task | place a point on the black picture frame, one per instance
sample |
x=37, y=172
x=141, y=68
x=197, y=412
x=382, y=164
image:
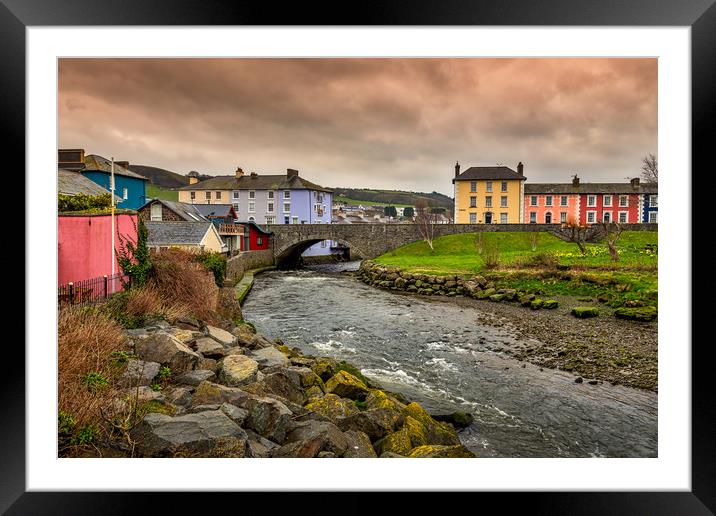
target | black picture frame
x=700, y=15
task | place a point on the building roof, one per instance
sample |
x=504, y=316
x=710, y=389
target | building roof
x=216, y=210
x=94, y=162
x=176, y=233
x=74, y=183
x=256, y=227
x=489, y=173
x=257, y=182
x=590, y=188
x=184, y=210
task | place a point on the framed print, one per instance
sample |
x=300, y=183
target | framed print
x=362, y=118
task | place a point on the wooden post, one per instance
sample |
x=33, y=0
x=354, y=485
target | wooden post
x=72, y=292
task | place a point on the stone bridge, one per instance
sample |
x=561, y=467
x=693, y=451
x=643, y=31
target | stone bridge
x=371, y=240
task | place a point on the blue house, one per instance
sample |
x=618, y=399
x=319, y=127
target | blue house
x=128, y=186
x=650, y=205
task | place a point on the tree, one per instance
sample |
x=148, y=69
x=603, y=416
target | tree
x=612, y=232
x=576, y=233
x=390, y=211
x=650, y=169
x=426, y=221
x=408, y=211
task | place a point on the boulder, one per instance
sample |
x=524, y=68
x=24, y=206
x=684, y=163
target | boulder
x=526, y=299
x=646, y=313
x=346, y=385
x=436, y=432
x=333, y=438
x=236, y=370
x=167, y=350
x=498, y=297
x=195, y=377
x=268, y=417
x=269, y=357
x=187, y=322
x=300, y=449
x=441, y=451
x=139, y=372
x=258, y=341
x=397, y=442
x=376, y=423
x=391, y=455
x=301, y=361
x=180, y=396
x=359, y=445
x=144, y=393
x=208, y=364
x=236, y=414
x=209, y=347
x=278, y=384
x=416, y=432
x=332, y=407
x=536, y=304
x=314, y=392
x=259, y=447
x=457, y=419
x=584, y=312
x=203, y=434
x=550, y=304
x=325, y=368
x=484, y=294
x=221, y=336
x=201, y=408
x=379, y=399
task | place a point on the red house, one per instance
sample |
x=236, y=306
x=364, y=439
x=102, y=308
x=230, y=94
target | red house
x=255, y=238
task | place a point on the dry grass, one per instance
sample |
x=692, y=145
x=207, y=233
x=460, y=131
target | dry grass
x=182, y=282
x=87, y=339
x=150, y=301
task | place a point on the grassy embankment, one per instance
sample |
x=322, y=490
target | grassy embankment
x=340, y=198
x=156, y=192
x=554, y=267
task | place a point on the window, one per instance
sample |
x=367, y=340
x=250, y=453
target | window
x=591, y=200
x=503, y=201
x=548, y=200
x=473, y=202
x=503, y=218
x=287, y=194
x=489, y=186
x=607, y=200
x=323, y=243
x=270, y=194
x=208, y=195
x=236, y=207
x=488, y=201
x=252, y=194
x=294, y=220
x=653, y=201
x=623, y=200
x=533, y=217
x=623, y=217
x=125, y=193
x=252, y=207
x=473, y=186
x=473, y=218
x=156, y=211
x=270, y=220
x=287, y=207
x=285, y=220
x=563, y=200
x=653, y=217
x=259, y=240
x=563, y=216
x=218, y=195
x=533, y=200
x=252, y=219
x=192, y=195
x=607, y=216
x=504, y=186
x=591, y=217
x=269, y=207
x=236, y=195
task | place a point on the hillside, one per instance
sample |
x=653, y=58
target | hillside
x=392, y=197
x=160, y=177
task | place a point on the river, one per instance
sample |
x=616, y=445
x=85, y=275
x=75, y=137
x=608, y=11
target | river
x=435, y=352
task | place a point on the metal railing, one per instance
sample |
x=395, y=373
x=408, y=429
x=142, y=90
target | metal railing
x=90, y=290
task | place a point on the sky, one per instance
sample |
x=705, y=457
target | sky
x=366, y=123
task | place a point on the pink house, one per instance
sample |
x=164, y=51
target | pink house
x=547, y=205
x=84, y=249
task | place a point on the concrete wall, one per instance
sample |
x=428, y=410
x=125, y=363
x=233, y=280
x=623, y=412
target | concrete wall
x=236, y=266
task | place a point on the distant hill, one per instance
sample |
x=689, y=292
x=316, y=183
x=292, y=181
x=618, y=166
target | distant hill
x=160, y=177
x=394, y=197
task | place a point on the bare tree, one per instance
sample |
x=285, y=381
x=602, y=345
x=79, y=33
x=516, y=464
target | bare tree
x=426, y=221
x=650, y=169
x=576, y=233
x=612, y=232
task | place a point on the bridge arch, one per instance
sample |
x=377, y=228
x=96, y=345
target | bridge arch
x=289, y=255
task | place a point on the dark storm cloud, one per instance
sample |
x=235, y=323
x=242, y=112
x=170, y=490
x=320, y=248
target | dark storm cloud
x=392, y=123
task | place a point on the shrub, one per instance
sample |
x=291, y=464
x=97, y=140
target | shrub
x=82, y=202
x=135, y=307
x=134, y=258
x=583, y=312
x=216, y=263
x=547, y=260
x=490, y=254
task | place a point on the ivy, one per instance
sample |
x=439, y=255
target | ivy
x=82, y=202
x=216, y=263
x=134, y=258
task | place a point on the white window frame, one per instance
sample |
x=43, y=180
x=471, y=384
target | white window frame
x=125, y=193
x=503, y=201
x=473, y=218
x=656, y=217
x=488, y=186
x=503, y=216
x=593, y=213
x=218, y=195
x=270, y=219
x=503, y=186
x=236, y=194
x=626, y=217
x=252, y=207
x=605, y=215
x=473, y=201
x=593, y=199
x=606, y=198
x=236, y=207
x=252, y=194
x=533, y=217
x=626, y=201
x=473, y=186
x=488, y=201
x=287, y=194
x=534, y=200
x=152, y=215
x=270, y=207
x=207, y=195
x=294, y=219
x=192, y=195
x=562, y=217
x=563, y=200
x=548, y=200
x=654, y=201
x=551, y=221
x=285, y=205
x=270, y=194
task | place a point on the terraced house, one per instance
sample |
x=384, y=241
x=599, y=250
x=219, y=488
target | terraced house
x=489, y=195
x=264, y=199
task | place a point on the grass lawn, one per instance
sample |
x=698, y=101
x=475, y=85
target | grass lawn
x=156, y=192
x=340, y=198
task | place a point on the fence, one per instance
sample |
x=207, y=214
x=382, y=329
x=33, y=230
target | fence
x=91, y=290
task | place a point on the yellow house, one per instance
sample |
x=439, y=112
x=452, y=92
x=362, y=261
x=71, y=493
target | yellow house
x=489, y=195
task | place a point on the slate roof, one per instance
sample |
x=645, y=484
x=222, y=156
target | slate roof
x=74, y=183
x=256, y=227
x=258, y=182
x=214, y=210
x=590, y=188
x=187, y=211
x=176, y=233
x=489, y=173
x=94, y=162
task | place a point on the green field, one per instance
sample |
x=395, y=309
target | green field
x=156, y=192
x=340, y=198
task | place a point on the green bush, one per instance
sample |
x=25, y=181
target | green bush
x=216, y=263
x=547, y=260
x=94, y=381
x=490, y=254
x=134, y=258
x=583, y=312
x=81, y=202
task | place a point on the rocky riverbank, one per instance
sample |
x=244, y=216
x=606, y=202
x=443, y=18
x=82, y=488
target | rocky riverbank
x=599, y=349
x=204, y=391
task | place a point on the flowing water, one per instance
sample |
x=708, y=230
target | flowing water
x=435, y=352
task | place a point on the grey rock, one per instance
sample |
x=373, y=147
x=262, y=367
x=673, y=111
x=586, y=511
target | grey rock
x=258, y=341
x=209, y=347
x=202, y=408
x=139, y=372
x=359, y=445
x=333, y=438
x=167, y=350
x=195, y=377
x=236, y=370
x=268, y=357
x=180, y=396
x=376, y=423
x=237, y=415
x=222, y=336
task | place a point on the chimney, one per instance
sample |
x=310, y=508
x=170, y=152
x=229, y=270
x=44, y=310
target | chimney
x=291, y=173
x=124, y=164
x=254, y=175
x=457, y=169
x=239, y=173
x=635, y=182
x=193, y=180
x=520, y=169
x=575, y=180
x=71, y=159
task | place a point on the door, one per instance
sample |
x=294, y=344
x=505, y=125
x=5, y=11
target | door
x=488, y=217
x=548, y=218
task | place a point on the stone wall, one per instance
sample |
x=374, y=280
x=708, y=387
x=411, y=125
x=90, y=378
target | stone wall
x=236, y=265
